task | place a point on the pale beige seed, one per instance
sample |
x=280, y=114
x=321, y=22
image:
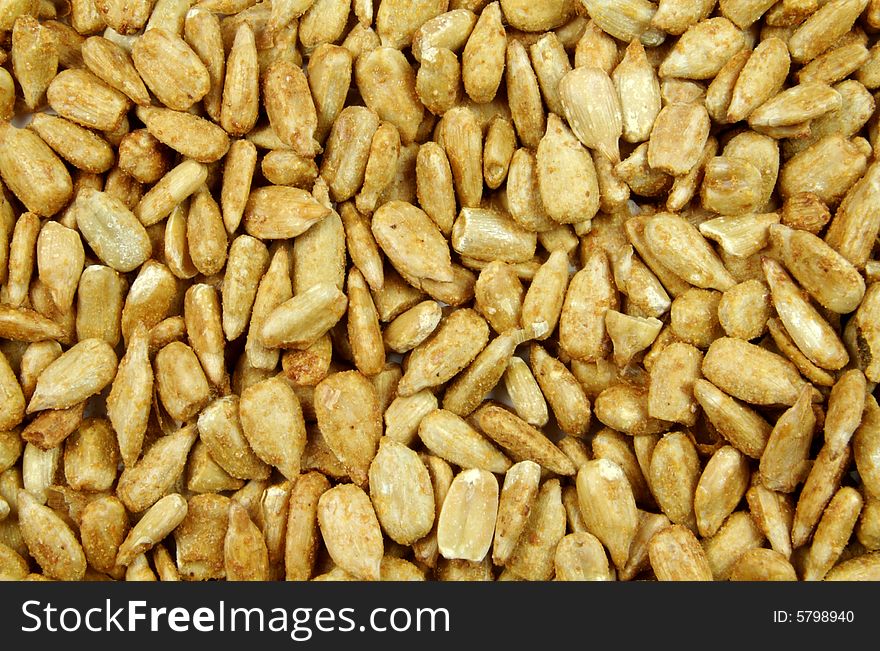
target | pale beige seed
x=347, y=410
x=112, y=63
x=838, y=164
x=544, y=299
x=823, y=28
x=32, y=171
x=608, y=507
x=674, y=16
x=364, y=333
x=171, y=69
x=103, y=527
x=80, y=372
x=202, y=317
x=237, y=175
x=22, y=258
x=220, y=428
x=388, y=85
x=344, y=163
x=737, y=535
x=111, y=230
x=412, y=327
x=244, y=550
x=789, y=349
x=461, y=137
x=846, y=403
x=563, y=392
x=150, y=299
x=34, y=361
x=744, y=310
x=241, y=88
x=147, y=480
x=180, y=381
x=761, y=78
x=204, y=475
x=624, y=408
x=521, y=439
x=281, y=212
x=286, y=167
x=819, y=269
x=301, y=540
x=324, y=22
x=303, y=319
x=721, y=487
x=595, y=114
x=82, y=148
x=563, y=162
x=124, y=18
x=272, y=423
x=812, y=334
x=639, y=91
x=630, y=335
x=405, y=414
x=795, y=105
x=784, y=460
x=626, y=20
x=451, y=438
x=591, y=293
x=687, y=254
x=59, y=258
x=171, y=190
x=750, y=373
x=412, y=241
x=467, y=518
x=676, y=555
x=34, y=55
x=246, y=263
x=434, y=185
x=679, y=134
x=380, y=166
x=274, y=289
x=82, y=97
x=518, y=496
x=401, y=492
x=649, y=524
x=130, y=399
x=741, y=426
x=673, y=373
x=454, y=344
x=38, y=470
x=272, y=517
x=483, y=55
x=674, y=474
x=773, y=513
x=703, y=49
x=488, y=235
x=351, y=531
x=581, y=557
x=720, y=90
x=822, y=481
x=290, y=107
x=50, y=540
x=525, y=393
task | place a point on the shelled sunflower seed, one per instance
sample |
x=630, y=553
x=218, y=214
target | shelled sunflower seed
x=453, y=290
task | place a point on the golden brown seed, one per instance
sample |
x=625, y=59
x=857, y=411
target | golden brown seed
x=103, y=527
x=82, y=97
x=244, y=550
x=822, y=481
x=199, y=538
x=80, y=372
x=220, y=428
x=32, y=171
x=521, y=439
x=388, y=85
x=833, y=532
x=533, y=557
x=272, y=423
x=301, y=541
x=608, y=507
x=784, y=460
